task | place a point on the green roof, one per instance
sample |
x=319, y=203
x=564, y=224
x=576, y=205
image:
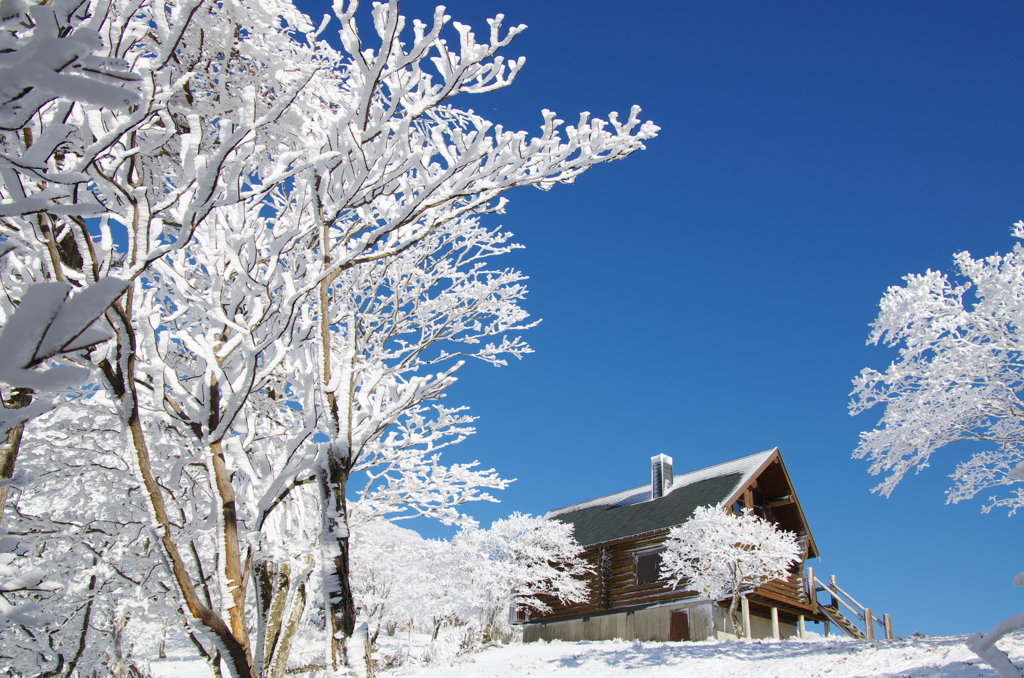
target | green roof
x=596, y=524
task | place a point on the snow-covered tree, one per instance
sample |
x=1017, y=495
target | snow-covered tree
x=400, y=331
x=84, y=522
x=717, y=554
x=471, y=581
x=520, y=562
x=958, y=376
x=984, y=644
x=237, y=189
x=437, y=164
x=53, y=58
x=392, y=576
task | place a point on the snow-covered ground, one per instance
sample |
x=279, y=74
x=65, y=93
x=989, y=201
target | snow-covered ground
x=912, y=657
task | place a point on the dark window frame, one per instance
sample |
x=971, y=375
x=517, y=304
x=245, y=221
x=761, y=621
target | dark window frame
x=647, y=566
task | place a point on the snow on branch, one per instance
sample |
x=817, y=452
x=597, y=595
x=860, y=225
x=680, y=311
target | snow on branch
x=958, y=376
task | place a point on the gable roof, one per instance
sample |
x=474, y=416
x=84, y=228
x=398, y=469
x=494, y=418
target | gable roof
x=632, y=512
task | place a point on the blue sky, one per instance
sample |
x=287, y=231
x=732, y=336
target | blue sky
x=709, y=297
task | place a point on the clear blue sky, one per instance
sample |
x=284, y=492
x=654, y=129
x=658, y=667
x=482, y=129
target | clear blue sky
x=709, y=297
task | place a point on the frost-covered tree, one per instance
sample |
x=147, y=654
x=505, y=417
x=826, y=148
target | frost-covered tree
x=237, y=189
x=718, y=554
x=53, y=58
x=958, y=376
x=392, y=572
x=51, y=52
x=400, y=331
x=437, y=164
x=471, y=581
x=84, y=521
x=519, y=562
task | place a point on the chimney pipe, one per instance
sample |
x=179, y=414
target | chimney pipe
x=661, y=475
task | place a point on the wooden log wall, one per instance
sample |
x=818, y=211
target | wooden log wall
x=613, y=583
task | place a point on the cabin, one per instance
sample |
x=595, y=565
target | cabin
x=624, y=533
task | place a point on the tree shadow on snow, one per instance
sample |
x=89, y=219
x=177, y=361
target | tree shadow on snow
x=653, y=654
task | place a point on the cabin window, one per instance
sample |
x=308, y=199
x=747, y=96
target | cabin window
x=737, y=507
x=647, y=567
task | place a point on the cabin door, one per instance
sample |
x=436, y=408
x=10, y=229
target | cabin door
x=680, y=625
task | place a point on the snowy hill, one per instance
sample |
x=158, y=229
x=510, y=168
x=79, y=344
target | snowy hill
x=912, y=657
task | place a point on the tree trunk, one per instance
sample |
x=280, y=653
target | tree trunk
x=233, y=574
x=279, y=661
x=19, y=397
x=240, y=660
x=121, y=380
x=334, y=544
x=281, y=599
x=734, y=615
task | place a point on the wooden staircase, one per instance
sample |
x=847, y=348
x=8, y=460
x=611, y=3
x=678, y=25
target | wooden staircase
x=836, y=617
x=862, y=623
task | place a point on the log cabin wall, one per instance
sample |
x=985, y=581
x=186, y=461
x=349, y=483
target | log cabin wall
x=613, y=585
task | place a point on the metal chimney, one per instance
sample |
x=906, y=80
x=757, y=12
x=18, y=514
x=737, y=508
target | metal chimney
x=661, y=475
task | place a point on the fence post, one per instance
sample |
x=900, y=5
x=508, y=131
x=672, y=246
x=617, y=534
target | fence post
x=869, y=623
x=812, y=589
x=887, y=620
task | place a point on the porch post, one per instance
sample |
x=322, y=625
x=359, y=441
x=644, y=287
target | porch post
x=802, y=628
x=775, y=623
x=746, y=618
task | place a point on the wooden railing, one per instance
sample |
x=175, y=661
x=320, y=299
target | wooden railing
x=861, y=620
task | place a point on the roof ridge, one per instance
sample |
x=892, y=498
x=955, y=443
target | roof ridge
x=579, y=505
x=730, y=461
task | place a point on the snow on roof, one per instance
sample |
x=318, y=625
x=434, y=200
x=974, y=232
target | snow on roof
x=744, y=466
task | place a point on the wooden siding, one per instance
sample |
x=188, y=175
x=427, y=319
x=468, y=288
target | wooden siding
x=645, y=625
x=789, y=591
x=704, y=621
x=613, y=585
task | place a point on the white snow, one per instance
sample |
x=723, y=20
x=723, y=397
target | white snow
x=916, y=657
x=911, y=657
